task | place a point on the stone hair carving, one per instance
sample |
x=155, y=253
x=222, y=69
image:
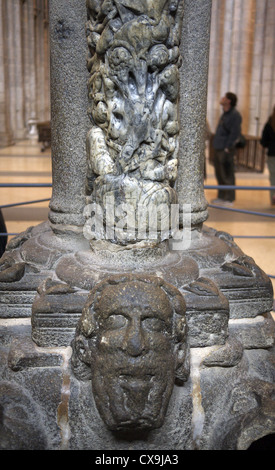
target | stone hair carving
x=133, y=62
x=131, y=342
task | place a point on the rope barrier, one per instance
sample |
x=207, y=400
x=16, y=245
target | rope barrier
x=23, y=203
x=5, y=234
x=49, y=185
x=253, y=236
x=258, y=188
x=241, y=210
x=25, y=185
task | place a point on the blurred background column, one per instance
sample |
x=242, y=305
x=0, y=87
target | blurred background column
x=6, y=134
x=24, y=67
x=242, y=60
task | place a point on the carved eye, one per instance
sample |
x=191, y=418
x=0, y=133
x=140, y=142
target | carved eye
x=115, y=322
x=118, y=116
x=154, y=324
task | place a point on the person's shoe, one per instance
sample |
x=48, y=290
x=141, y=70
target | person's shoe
x=217, y=201
x=222, y=202
x=228, y=203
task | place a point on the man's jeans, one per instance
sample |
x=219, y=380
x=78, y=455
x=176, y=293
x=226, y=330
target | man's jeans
x=225, y=173
x=271, y=167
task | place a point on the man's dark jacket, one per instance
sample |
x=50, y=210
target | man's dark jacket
x=268, y=139
x=228, y=130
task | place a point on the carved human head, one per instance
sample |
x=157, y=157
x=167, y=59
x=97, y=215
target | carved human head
x=131, y=342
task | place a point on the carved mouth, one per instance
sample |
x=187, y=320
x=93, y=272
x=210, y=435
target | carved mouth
x=136, y=381
x=138, y=369
x=136, y=374
x=141, y=424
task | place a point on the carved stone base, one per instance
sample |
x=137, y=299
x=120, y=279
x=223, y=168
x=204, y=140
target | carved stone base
x=226, y=402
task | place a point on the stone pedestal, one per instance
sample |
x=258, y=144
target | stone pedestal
x=192, y=319
x=226, y=403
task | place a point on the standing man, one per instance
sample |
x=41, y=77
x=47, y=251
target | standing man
x=268, y=141
x=3, y=238
x=227, y=134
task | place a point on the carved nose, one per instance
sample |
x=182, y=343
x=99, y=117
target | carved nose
x=134, y=341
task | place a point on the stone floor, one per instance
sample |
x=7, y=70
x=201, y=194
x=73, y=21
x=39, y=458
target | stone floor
x=25, y=163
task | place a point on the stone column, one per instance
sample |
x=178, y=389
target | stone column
x=6, y=136
x=268, y=76
x=216, y=72
x=69, y=118
x=241, y=63
x=257, y=70
x=29, y=63
x=42, y=60
x=193, y=83
x=15, y=88
x=46, y=40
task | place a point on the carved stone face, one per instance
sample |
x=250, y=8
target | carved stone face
x=132, y=354
x=133, y=373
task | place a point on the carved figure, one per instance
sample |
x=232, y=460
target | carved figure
x=133, y=87
x=131, y=342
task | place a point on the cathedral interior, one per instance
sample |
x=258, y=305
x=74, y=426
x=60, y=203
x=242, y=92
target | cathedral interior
x=241, y=60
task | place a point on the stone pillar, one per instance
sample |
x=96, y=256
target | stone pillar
x=193, y=94
x=41, y=27
x=241, y=40
x=242, y=60
x=268, y=76
x=216, y=72
x=69, y=106
x=14, y=88
x=257, y=70
x=29, y=62
x=24, y=87
x=6, y=137
x=224, y=41
x=46, y=40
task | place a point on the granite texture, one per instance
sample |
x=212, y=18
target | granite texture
x=69, y=118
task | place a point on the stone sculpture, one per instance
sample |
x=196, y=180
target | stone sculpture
x=132, y=146
x=140, y=342
x=134, y=350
